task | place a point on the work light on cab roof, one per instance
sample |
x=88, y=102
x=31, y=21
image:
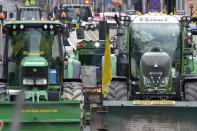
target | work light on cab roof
x=63, y=15
x=191, y=4
x=120, y=3
x=78, y=12
x=87, y=2
x=2, y=16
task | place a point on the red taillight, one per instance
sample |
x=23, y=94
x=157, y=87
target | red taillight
x=96, y=15
x=81, y=44
x=1, y=124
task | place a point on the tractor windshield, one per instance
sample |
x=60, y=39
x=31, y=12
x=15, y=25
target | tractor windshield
x=92, y=53
x=144, y=36
x=29, y=14
x=31, y=42
x=72, y=13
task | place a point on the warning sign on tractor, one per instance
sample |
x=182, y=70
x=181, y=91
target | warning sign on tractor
x=154, y=102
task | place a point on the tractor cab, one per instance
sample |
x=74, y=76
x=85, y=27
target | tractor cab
x=164, y=32
x=27, y=13
x=158, y=71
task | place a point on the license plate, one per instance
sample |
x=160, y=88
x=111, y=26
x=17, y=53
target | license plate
x=154, y=102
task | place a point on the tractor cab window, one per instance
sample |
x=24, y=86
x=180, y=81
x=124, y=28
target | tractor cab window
x=29, y=14
x=92, y=53
x=72, y=13
x=144, y=36
x=31, y=42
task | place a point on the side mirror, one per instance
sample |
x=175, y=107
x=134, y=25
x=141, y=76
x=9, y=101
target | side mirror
x=1, y=59
x=103, y=29
x=80, y=33
x=66, y=32
x=11, y=15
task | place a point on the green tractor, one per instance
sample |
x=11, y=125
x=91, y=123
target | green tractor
x=161, y=87
x=160, y=75
x=40, y=88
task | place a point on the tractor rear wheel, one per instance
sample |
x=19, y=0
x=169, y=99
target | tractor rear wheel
x=191, y=91
x=117, y=91
x=72, y=91
x=3, y=93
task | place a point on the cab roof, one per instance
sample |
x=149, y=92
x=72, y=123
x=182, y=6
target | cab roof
x=155, y=18
x=76, y=5
x=33, y=22
x=29, y=8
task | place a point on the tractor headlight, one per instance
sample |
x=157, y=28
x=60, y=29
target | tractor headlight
x=184, y=18
x=164, y=82
x=188, y=18
x=147, y=82
x=127, y=18
x=41, y=81
x=91, y=26
x=122, y=18
x=97, y=44
x=28, y=81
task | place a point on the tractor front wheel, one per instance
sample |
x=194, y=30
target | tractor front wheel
x=72, y=91
x=117, y=91
x=191, y=91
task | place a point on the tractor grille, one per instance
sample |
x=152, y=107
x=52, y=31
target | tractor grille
x=155, y=67
x=35, y=72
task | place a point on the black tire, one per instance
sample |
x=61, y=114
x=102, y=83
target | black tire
x=3, y=92
x=191, y=91
x=117, y=91
x=72, y=91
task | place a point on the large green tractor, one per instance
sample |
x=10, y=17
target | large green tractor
x=161, y=88
x=158, y=74
x=40, y=89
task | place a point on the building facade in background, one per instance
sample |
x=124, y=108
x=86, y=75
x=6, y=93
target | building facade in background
x=143, y=6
